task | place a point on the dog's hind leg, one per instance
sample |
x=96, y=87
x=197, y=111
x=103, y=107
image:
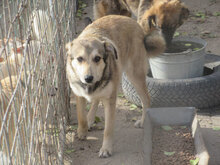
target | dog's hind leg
x=81, y=116
x=92, y=112
x=107, y=144
x=138, y=79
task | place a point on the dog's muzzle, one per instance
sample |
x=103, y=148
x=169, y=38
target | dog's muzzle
x=88, y=78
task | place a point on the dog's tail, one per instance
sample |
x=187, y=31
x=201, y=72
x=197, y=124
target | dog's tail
x=154, y=44
x=42, y=26
x=154, y=41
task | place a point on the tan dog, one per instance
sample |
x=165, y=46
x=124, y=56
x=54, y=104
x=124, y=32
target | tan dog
x=11, y=66
x=11, y=58
x=7, y=86
x=95, y=62
x=170, y=14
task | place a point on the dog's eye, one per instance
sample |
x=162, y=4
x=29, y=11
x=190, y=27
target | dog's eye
x=80, y=59
x=97, y=59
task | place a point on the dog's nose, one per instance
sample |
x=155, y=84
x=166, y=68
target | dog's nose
x=88, y=78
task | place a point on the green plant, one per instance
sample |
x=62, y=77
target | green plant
x=81, y=7
x=194, y=162
x=216, y=128
x=166, y=128
x=200, y=14
x=121, y=95
x=133, y=107
x=217, y=13
x=169, y=153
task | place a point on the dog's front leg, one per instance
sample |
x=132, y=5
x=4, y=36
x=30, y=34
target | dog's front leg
x=92, y=112
x=81, y=116
x=109, y=105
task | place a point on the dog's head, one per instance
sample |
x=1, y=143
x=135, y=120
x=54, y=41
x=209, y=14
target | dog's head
x=170, y=15
x=154, y=40
x=88, y=59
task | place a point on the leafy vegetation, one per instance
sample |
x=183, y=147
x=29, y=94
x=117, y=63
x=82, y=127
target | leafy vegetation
x=166, y=128
x=81, y=7
x=169, y=153
x=194, y=162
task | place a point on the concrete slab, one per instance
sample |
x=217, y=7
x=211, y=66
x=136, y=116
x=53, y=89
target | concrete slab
x=174, y=116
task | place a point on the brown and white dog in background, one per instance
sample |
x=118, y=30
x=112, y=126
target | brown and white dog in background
x=95, y=62
x=170, y=14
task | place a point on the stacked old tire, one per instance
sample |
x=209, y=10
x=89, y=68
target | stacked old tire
x=200, y=92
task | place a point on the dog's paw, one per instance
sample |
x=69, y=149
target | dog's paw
x=82, y=134
x=105, y=153
x=139, y=124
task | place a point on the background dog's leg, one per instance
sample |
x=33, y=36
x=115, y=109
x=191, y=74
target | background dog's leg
x=109, y=105
x=139, y=82
x=92, y=112
x=81, y=116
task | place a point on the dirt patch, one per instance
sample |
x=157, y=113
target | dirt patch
x=172, y=145
x=204, y=22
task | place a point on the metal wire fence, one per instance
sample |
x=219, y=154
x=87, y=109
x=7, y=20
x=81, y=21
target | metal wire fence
x=34, y=101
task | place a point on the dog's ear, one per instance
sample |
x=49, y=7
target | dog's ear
x=152, y=21
x=183, y=15
x=68, y=46
x=109, y=48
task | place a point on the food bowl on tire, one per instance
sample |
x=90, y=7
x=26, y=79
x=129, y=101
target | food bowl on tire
x=185, y=59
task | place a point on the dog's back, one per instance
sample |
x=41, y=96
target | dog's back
x=109, y=25
x=129, y=34
x=113, y=23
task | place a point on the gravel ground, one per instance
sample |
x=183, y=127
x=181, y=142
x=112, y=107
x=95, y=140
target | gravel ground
x=172, y=145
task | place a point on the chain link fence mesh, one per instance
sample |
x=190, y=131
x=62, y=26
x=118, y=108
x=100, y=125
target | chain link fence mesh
x=34, y=101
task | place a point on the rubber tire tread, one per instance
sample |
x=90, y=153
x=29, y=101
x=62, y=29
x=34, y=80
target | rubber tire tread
x=200, y=92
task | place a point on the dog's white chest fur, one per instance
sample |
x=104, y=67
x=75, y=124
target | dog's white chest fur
x=99, y=93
